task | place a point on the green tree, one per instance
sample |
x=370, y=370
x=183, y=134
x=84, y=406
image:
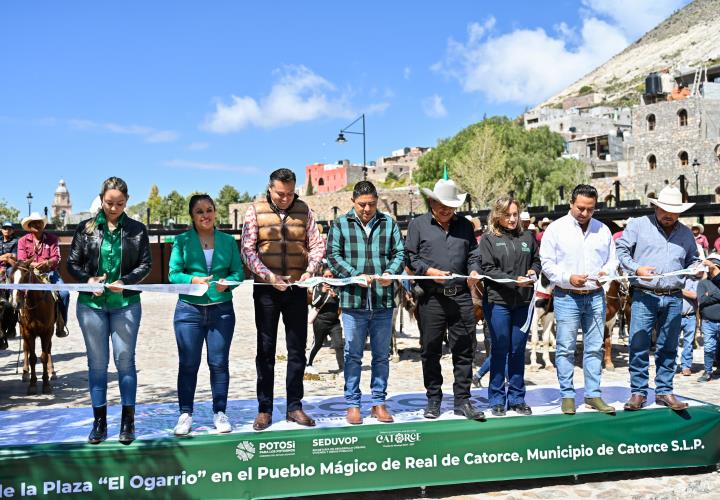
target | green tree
x=155, y=204
x=309, y=191
x=225, y=197
x=175, y=207
x=391, y=176
x=245, y=198
x=533, y=168
x=7, y=212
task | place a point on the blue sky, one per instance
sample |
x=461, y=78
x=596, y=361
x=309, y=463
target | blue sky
x=194, y=95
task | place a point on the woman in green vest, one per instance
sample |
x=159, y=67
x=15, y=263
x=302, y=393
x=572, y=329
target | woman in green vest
x=204, y=255
x=114, y=249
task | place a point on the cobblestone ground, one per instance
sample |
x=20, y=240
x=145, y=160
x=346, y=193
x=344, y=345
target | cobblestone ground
x=157, y=366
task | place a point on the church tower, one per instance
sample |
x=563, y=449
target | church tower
x=61, y=207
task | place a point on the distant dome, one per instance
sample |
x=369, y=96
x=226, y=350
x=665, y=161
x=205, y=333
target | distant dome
x=61, y=187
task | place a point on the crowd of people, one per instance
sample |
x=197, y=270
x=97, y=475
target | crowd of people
x=282, y=244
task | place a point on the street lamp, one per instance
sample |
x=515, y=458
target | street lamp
x=412, y=197
x=29, y=198
x=696, y=170
x=342, y=140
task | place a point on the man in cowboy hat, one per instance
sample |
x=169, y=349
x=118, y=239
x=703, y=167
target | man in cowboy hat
x=702, y=241
x=651, y=245
x=8, y=249
x=526, y=220
x=438, y=244
x=42, y=250
x=542, y=225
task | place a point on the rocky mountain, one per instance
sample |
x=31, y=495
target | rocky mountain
x=684, y=41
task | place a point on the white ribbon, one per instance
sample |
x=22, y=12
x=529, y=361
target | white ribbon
x=185, y=289
x=620, y=277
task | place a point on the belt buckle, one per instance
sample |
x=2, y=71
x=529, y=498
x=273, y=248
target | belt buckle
x=450, y=292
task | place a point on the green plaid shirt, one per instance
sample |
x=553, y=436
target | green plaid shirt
x=351, y=252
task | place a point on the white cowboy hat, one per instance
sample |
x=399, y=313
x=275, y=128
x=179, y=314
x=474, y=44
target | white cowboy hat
x=699, y=226
x=532, y=227
x=524, y=216
x=32, y=218
x=447, y=193
x=670, y=200
x=544, y=222
x=621, y=223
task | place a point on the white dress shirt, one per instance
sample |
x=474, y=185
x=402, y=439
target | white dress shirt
x=565, y=250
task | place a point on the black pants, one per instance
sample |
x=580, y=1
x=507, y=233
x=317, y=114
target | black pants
x=269, y=305
x=327, y=324
x=454, y=315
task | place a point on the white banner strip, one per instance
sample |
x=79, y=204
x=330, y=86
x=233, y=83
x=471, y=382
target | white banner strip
x=189, y=289
x=619, y=277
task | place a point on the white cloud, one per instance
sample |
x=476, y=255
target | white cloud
x=407, y=72
x=298, y=95
x=197, y=146
x=149, y=134
x=198, y=165
x=526, y=66
x=433, y=106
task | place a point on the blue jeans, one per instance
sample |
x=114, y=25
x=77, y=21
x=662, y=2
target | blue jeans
x=507, y=359
x=100, y=327
x=574, y=311
x=711, y=336
x=357, y=325
x=687, y=328
x=64, y=295
x=195, y=326
x=662, y=313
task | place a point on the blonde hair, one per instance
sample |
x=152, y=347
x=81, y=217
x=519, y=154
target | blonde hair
x=107, y=185
x=500, y=208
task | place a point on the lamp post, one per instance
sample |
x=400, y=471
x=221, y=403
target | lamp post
x=342, y=140
x=696, y=171
x=235, y=214
x=412, y=197
x=29, y=198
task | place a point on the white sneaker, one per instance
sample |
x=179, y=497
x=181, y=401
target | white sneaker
x=184, y=424
x=311, y=370
x=222, y=422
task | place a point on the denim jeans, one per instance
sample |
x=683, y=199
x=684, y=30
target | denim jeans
x=687, y=329
x=357, y=325
x=194, y=326
x=63, y=295
x=572, y=312
x=508, y=354
x=662, y=313
x=100, y=327
x=711, y=336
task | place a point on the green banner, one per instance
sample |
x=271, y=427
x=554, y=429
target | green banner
x=363, y=458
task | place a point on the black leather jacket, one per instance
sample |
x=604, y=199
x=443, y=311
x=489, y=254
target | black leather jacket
x=84, y=258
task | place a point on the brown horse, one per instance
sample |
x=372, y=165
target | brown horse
x=36, y=316
x=618, y=302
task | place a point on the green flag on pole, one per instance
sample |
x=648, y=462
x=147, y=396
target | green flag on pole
x=445, y=172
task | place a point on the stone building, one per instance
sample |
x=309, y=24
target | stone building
x=61, y=205
x=401, y=163
x=668, y=137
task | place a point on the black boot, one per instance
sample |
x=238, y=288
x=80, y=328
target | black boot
x=98, y=434
x=127, y=425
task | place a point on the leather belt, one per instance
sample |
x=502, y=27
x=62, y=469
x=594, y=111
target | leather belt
x=659, y=291
x=579, y=292
x=449, y=291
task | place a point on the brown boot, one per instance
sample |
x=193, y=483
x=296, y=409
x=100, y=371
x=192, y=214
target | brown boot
x=262, y=421
x=381, y=413
x=353, y=416
x=300, y=418
x=671, y=402
x=635, y=402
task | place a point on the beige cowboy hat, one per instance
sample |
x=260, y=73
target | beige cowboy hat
x=525, y=216
x=544, y=222
x=670, y=200
x=447, y=193
x=532, y=227
x=699, y=226
x=32, y=218
x=621, y=223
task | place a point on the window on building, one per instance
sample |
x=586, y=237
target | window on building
x=651, y=122
x=682, y=117
x=561, y=127
x=652, y=162
x=321, y=181
x=683, y=157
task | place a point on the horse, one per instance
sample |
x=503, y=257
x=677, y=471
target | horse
x=36, y=314
x=8, y=319
x=618, y=304
x=543, y=320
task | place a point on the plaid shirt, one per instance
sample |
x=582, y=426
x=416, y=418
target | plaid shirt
x=352, y=252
